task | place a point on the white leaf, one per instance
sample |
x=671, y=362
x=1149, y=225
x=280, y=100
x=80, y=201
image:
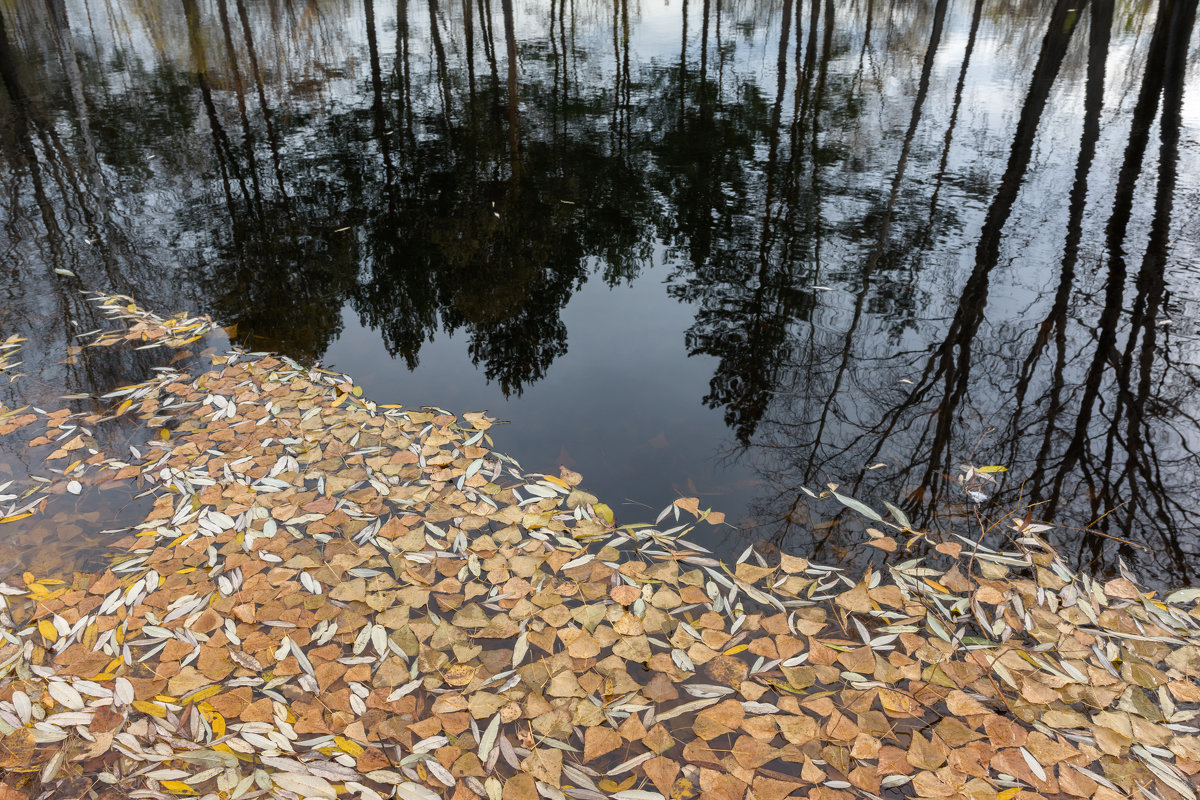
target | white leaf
x=1034, y=766
x=441, y=773
x=694, y=705
x=488, y=740
x=123, y=691
x=855, y=505
x=304, y=785
x=432, y=743
x=520, y=647
x=415, y=791
x=24, y=706
x=1183, y=596
x=404, y=690
x=65, y=695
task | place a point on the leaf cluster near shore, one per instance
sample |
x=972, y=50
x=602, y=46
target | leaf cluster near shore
x=334, y=598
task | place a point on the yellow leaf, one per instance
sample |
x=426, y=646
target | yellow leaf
x=17, y=517
x=609, y=785
x=993, y=468
x=47, y=629
x=205, y=693
x=604, y=512
x=1007, y=794
x=153, y=709
x=683, y=789
x=121, y=409
x=164, y=434
x=733, y=651
x=349, y=746
x=177, y=787
x=215, y=720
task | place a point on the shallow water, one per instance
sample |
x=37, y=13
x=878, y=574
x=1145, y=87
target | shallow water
x=725, y=249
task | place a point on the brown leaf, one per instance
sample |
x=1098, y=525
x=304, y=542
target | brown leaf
x=545, y=764
x=961, y=704
x=955, y=733
x=689, y=504
x=770, y=789
x=599, y=740
x=751, y=753
x=188, y=680
x=521, y=786
x=855, y=599
x=951, y=549
x=658, y=739
x=797, y=729
x=1122, y=589
x=1004, y=732
x=726, y=670
x=17, y=750
x=662, y=772
x=625, y=594
x=811, y=773
x=926, y=754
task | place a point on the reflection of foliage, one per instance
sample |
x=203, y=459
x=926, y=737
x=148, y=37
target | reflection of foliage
x=498, y=253
x=705, y=159
x=283, y=281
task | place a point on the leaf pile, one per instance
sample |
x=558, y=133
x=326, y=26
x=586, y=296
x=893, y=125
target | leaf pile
x=334, y=598
x=9, y=349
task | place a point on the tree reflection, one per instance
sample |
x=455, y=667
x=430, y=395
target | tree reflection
x=1098, y=457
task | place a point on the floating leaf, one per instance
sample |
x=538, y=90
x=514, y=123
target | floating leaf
x=855, y=505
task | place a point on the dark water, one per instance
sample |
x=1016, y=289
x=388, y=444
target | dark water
x=717, y=247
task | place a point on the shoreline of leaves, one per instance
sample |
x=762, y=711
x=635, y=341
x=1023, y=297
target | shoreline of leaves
x=335, y=598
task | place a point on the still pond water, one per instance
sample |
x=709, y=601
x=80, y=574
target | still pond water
x=722, y=248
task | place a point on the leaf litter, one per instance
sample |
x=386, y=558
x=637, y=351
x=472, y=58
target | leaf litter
x=334, y=598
